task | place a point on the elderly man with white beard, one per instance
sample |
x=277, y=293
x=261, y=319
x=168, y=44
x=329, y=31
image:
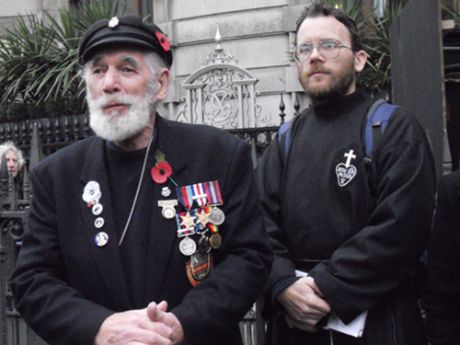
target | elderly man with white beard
x=149, y=231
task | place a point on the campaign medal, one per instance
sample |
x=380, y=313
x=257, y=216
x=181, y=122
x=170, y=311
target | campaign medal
x=215, y=241
x=214, y=197
x=217, y=216
x=168, y=210
x=198, y=267
x=346, y=172
x=202, y=218
x=187, y=246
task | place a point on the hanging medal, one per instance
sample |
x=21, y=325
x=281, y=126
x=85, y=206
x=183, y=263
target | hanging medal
x=214, y=196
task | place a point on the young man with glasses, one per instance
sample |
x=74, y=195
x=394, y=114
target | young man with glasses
x=346, y=239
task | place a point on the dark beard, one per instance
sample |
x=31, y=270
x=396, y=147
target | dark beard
x=336, y=90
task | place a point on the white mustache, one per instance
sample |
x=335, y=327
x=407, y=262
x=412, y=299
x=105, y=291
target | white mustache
x=106, y=100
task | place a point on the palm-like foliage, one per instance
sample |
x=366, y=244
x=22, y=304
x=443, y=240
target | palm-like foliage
x=39, y=72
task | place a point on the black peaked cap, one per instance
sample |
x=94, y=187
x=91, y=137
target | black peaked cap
x=129, y=31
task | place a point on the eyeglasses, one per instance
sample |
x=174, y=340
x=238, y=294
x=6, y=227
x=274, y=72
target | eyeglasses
x=328, y=48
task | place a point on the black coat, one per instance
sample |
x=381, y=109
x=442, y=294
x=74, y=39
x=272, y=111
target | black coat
x=360, y=241
x=442, y=300
x=65, y=286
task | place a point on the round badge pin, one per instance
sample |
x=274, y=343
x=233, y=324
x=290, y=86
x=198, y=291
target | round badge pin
x=217, y=216
x=97, y=209
x=168, y=212
x=215, y=241
x=187, y=246
x=99, y=222
x=165, y=191
x=101, y=239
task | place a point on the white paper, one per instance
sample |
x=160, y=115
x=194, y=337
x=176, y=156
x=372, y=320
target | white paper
x=355, y=328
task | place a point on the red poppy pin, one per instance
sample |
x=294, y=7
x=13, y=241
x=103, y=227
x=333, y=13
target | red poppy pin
x=164, y=42
x=162, y=169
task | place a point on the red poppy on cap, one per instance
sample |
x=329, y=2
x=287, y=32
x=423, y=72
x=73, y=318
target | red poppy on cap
x=164, y=42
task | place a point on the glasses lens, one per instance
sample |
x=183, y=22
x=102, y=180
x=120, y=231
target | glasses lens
x=303, y=52
x=329, y=49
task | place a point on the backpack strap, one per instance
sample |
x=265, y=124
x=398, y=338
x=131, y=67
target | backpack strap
x=284, y=138
x=376, y=122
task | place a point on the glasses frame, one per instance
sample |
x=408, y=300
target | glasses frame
x=320, y=51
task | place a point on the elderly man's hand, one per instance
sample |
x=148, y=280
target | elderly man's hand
x=134, y=327
x=304, y=304
x=157, y=313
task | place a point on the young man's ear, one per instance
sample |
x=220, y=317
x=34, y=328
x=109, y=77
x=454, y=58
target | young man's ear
x=360, y=60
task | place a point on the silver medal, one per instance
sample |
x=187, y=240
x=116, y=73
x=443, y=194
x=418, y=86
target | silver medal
x=167, y=208
x=168, y=212
x=217, y=216
x=187, y=246
x=101, y=239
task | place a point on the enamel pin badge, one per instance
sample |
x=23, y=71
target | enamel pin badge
x=346, y=172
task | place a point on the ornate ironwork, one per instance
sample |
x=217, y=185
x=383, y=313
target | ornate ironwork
x=222, y=94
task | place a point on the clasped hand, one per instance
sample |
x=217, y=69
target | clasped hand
x=149, y=326
x=304, y=304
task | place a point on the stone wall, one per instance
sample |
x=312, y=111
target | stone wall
x=258, y=33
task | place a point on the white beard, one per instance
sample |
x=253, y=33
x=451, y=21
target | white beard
x=115, y=126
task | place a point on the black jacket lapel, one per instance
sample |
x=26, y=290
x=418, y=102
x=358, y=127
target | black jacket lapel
x=163, y=236
x=107, y=257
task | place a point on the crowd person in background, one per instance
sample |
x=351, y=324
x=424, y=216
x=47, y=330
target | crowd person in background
x=13, y=158
x=347, y=228
x=442, y=300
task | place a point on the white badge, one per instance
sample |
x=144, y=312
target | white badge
x=346, y=172
x=92, y=193
x=101, y=239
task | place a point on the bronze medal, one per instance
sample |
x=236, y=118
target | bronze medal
x=215, y=241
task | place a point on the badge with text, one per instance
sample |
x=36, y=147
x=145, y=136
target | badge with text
x=198, y=267
x=346, y=172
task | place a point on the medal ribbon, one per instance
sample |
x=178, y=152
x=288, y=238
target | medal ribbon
x=213, y=192
x=199, y=194
x=213, y=227
x=185, y=194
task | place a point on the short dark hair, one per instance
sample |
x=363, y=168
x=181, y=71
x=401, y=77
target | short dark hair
x=321, y=10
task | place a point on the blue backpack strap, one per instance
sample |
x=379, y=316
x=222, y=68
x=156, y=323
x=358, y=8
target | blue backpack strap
x=284, y=138
x=377, y=120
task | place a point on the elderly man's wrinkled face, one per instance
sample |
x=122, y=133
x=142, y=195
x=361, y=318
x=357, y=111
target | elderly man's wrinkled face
x=12, y=163
x=121, y=94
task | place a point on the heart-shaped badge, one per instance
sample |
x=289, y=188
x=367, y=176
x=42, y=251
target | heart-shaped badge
x=345, y=174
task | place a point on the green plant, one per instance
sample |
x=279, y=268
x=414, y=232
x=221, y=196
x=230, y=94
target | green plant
x=39, y=72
